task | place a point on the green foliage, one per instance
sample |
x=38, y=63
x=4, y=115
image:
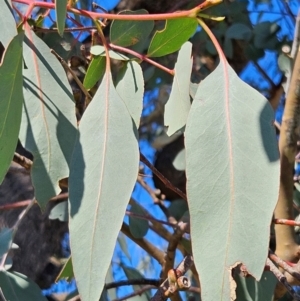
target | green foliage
x=235, y=169
x=128, y=33
x=11, y=102
x=230, y=157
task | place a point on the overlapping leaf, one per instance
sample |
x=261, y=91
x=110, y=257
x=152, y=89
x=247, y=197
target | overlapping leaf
x=11, y=102
x=95, y=71
x=18, y=287
x=61, y=12
x=48, y=126
x=232, y=179
x=171, y=38
x=126, y=33
x=179, y=104
x=7, y=24
x=103, y=173
x=138, y=227
x=130, y=87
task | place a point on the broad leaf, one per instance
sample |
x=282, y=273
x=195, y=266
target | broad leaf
x=48, y=126
x=61, y=12
x=138, y=227
x=130, y=87
x=95, y=71
x=232, y=165
x=18, y=287
x=103, y=173
x=11, y=102
x=179, y=104
x=7, y=23
x=171, y=38
x=127, y=33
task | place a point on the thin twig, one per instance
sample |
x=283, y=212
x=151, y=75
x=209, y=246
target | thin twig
x=136, y=293
x=284, y=265
x=282, y=279
x=144, y=244
x=167, y=183
x=287, y=222
x=23, y=161
x=142, y=281
x=154, y=193
x=68, y=69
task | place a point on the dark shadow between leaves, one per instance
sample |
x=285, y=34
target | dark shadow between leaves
x=268, y=134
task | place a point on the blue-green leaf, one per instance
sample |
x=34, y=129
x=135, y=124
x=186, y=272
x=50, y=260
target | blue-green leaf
x=61, y=13
x=103, y=173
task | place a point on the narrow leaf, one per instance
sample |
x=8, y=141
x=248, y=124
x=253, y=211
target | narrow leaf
x=179, y=104
x=95, y=72
x=100, y=50
x=6, y=235
x=171, y=38
x=232, y=164
x=103, y=173
x=18, y=287
x=48, y=126
x=11, y=102
x=7, y=24
x=127, y=33
x=60, y=212
x=123, y=245
x=130, y=87
x=61, y=13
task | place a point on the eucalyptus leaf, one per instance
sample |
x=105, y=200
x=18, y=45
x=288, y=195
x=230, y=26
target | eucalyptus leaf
x=232, y=164
x=100, y=50
x=66, y=272
x=61, y=13
x=172, y=37
x=138, y=227
x=239, y=31
x=48, y=128
x=6, y=236
x=104, y=169
x=130, y=87
x=95, y=72
x=11, y=102
x=7, y=24
x=123, y=245
x=18, y=287
x=60, y=212
x=127, y=33
x=179, y=104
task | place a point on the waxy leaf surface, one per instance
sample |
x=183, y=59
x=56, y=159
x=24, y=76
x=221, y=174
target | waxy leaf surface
x=130, y=87
x=7, y=24
x=127, y=33
x=11, y=102
x=232, y=179
x=95, y=71
x=48, y=127
x=179, y=104
x=103, y=173
x=171, y=38
x=18, y=287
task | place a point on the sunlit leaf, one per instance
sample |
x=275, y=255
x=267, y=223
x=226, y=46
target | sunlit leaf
x=18, y=287
x=130, y=86
x=11, y=102
x=138, y=227
x=232, y=167
x=95, y=71
x=179, y=162
x=112, y=292
x=60, y=212
x=248, y=289
x=103, y=173
x=61, y=13
x=100, y=50
x=66, y=271
x=7, y=23
x=179, y=104
x=171, y=38
x=126, y=33
x=48, y=127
